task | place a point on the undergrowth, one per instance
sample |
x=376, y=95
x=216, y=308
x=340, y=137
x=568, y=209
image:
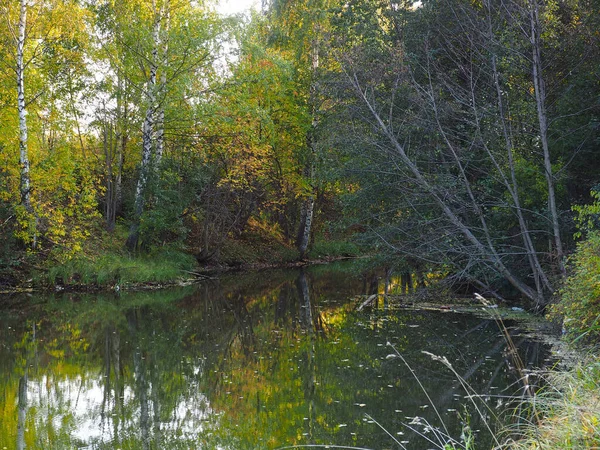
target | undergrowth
x=333, y=248
x=160, y=265
x=570, y=407
x=105, y=262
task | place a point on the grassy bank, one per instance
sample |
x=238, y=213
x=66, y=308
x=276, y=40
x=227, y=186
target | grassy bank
x=569, y=407
x=104, y=263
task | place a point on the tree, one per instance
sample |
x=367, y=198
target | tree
x=437, y=102
x=163, y=56
x=299, y=29
x=43, y=51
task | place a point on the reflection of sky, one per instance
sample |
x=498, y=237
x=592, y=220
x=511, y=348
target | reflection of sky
x=77, y=406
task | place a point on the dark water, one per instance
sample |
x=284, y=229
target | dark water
x=259, y=361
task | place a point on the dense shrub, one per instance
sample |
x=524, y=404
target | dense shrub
x=580, y=297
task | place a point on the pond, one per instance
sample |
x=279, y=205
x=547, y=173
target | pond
x=268, y=360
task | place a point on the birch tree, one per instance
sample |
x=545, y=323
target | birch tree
x=25, y=184
x=44, y=47
x=158, y=55
x=300, y=30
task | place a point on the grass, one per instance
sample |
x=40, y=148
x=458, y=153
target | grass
x=332, y=249
x=160, y=265
x=104, y=262
x=570, y=410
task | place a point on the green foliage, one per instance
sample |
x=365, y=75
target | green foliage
x=587, y=216
x=569, y=407
x=105, y=263
x=164, y=222
x=333, y=248
x=579, y=304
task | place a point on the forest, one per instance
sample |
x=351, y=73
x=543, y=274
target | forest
x=148, y=143
x=452, y=136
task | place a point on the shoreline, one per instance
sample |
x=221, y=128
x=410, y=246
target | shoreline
x=196, y=276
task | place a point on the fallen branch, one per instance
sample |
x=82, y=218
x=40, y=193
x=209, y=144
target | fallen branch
x=367, y=301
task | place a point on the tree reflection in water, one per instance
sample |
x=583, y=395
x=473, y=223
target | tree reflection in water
x=248, y=362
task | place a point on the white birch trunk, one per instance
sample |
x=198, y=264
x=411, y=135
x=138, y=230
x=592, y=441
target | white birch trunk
x=307, y=214
x=308, y=205
x=162, y=88
x=25, y=182
x=147, y=140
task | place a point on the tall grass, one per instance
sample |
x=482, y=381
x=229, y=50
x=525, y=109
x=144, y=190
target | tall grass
x=333, y=249
x=569, y=406
x=109, y=269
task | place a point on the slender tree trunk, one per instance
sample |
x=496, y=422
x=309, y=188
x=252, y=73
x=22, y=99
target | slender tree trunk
x=308, y=206
x=160, y=121
x=305, y=226
x=24, y=157
x=148, y=135
x=388, y=280
x=122, y=138
x=109, y=182
x=538, y=272
x=539, y=275
x=114, y=161
x=25, y=180
x=540, y=99
x=488, y=256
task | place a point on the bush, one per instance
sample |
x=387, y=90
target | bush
x=580, y=296
x=333, y=248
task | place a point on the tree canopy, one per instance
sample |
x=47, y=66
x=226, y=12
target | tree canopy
x=445, y=134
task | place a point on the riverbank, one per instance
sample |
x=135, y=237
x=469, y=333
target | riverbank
x=105, y=264
x=568, y=407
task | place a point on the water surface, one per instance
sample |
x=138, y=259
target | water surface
x=256, y=361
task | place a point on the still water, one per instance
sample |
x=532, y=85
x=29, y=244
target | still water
x=256, y=361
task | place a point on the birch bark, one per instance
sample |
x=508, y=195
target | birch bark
x=148, y=135
x=308, y=206
x=160, y=121
x=25, y=181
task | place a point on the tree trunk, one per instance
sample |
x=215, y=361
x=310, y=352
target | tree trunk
x=147, y=141
x=305, y=226
x=25, y=180
x=539, y=275
x=122, y=138
x=308, y=205
x=540, y=99
x=160, y=121
x=107, y=145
